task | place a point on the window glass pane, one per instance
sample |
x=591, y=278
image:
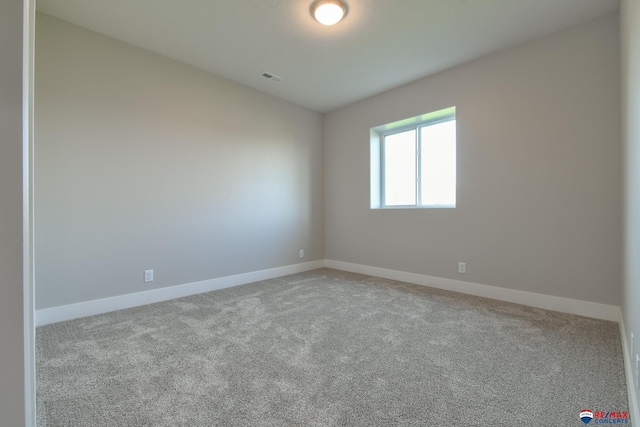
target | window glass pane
x=438, y=164
x=400, y=168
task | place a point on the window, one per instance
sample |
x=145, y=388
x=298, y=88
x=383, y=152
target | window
x=413, y=162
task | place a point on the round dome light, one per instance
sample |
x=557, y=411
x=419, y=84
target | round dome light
x=328, y=12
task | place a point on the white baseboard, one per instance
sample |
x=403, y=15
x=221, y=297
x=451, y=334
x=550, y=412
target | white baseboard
x=629, y=367
x=548, y=302
x=90, y=308
x=105, y=305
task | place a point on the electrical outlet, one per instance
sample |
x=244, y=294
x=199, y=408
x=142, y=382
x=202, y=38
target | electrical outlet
x=301, y=253
x=462, y=267
x=148, y=276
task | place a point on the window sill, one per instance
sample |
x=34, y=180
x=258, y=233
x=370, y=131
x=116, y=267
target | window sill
x=387, y=208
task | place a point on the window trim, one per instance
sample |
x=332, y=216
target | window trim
x=378, y=135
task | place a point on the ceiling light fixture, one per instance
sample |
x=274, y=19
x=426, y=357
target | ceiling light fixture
x=328, y=12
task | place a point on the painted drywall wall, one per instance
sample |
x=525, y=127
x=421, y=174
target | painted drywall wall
x=12, y=407
x=538, y=205
x=630, y=55
x=145, y=163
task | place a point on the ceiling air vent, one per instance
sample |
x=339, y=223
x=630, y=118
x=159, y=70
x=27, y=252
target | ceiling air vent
x=272, y=77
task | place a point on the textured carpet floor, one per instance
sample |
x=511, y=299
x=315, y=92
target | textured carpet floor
x=328, y=348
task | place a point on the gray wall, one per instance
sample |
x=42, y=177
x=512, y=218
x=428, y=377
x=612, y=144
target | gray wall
x=11, y=286
x=630, y=53
x=145, y=163
x=539, y=196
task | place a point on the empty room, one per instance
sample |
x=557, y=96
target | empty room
x=320, y=213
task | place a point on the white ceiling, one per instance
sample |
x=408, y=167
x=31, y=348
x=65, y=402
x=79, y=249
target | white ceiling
x=381, y=44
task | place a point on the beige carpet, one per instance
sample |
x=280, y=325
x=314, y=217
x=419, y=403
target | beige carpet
x=328, y=348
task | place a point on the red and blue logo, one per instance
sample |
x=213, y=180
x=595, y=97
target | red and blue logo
x=586, y=416
x=613, y=417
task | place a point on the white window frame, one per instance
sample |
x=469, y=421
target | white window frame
x=378, y=135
